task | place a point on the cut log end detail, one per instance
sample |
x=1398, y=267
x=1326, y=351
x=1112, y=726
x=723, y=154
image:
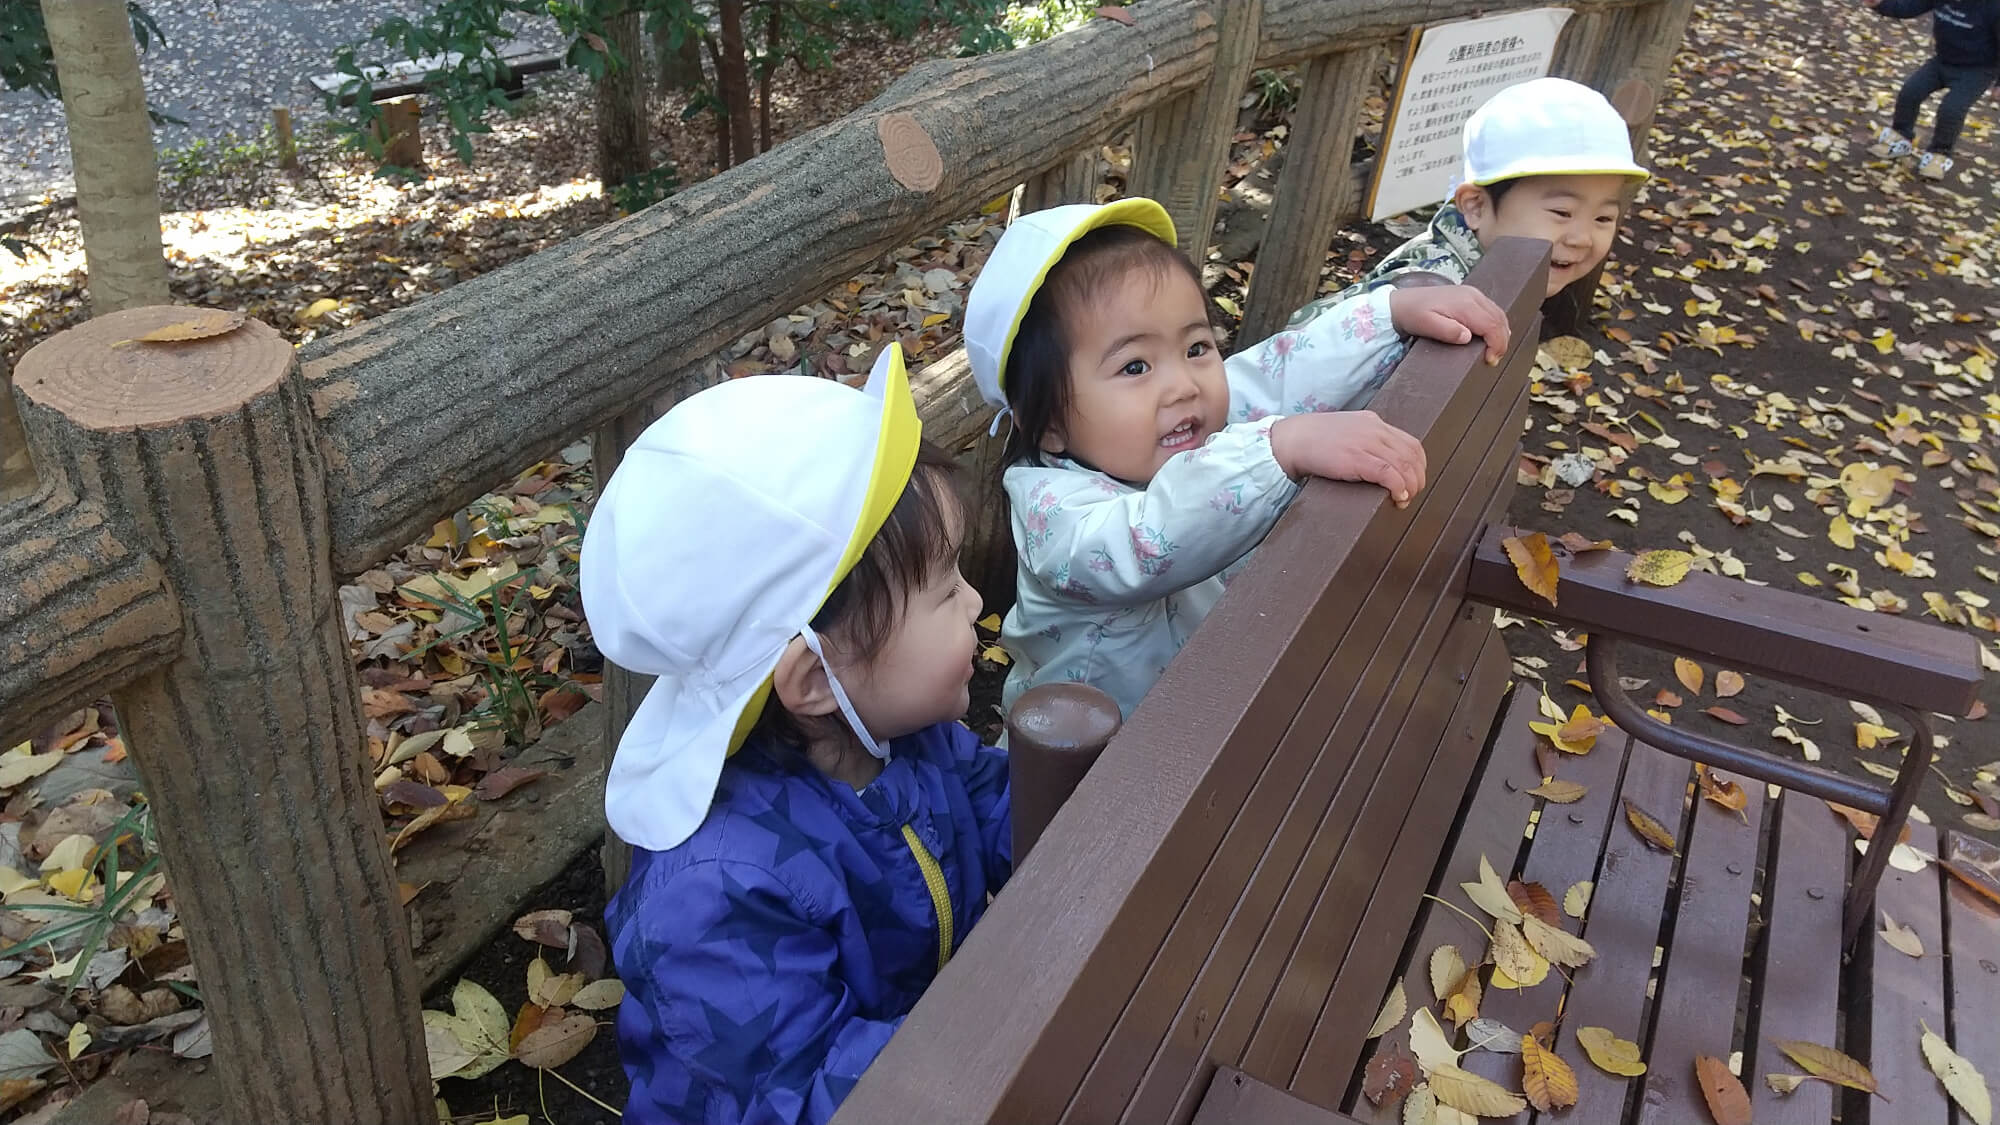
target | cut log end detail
x=103, y=377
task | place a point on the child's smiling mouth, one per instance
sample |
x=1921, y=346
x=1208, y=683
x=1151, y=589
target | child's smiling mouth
x=1183, y=436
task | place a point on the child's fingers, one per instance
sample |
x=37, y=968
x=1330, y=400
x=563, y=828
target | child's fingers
x=1484, y=317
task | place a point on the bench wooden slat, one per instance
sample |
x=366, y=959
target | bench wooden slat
x=1218, y=1016
x=1972, y=926
x=1393, y=903
x=1627, y=903
x=1491, y=824
x=1235, y=1098
x=1695, y=1003
x=1008, y=1030
x=1567, y=842
x=1300, y=953
x=1904, y=992
x=1799, y=985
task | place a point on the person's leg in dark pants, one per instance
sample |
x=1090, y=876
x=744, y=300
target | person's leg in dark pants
x=1964, y=85
x=1928, y=79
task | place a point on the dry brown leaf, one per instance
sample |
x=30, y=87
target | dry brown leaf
x=554, y=1044
x=1535, y=563
x=1581, y=545
x=1901, y=938
x=1394, y=1007
x=1864, y=822
x=1827, y=1063
x=1558, y=945
x=1535, y=901
x=1545, y=1077
x=1665, y=698
x=1659, y=568
x=1688, y=673
x=1650, y=830
x=199, y=325
x=1467, y=1092
x=1728, y=683
x=548, y=927
x=1728, y=1101
x=1721, y=790
x=1961, y=1079
x=1724, y=714
x=525, y=1024
x=1611, y=1054
x=1117, y=15
x=1560, y=792
x=1388, y=1078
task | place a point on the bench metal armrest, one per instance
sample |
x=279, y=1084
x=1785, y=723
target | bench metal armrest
x=1905, y=667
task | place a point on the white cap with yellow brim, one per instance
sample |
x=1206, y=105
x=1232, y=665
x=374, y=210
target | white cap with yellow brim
x=1030, y=248
x=719, y=537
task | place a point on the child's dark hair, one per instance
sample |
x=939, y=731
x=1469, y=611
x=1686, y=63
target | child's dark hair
x=861, y=612
x=1037, y=375
x=1498, y=191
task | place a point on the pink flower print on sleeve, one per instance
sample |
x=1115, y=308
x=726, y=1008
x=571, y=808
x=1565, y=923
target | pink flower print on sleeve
x=1041, y=510
x=1229, y=499
x=1360, y=322
x=1069, y=587
x=1274, y=358
x=1153, y=551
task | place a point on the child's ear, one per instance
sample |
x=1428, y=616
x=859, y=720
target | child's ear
x=1052, y=442
x=800, y=683
x=1475, y=204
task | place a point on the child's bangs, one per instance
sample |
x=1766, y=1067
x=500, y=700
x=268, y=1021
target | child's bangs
x=918, y=538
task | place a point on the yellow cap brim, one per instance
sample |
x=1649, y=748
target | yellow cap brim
x=895, y=459
x=1140, y=212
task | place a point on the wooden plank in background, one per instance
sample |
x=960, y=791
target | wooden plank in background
x=1972, y=928
x=1798, y=970
x=1904, y=992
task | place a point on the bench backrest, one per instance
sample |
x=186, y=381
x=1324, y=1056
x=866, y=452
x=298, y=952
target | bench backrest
x=1196, y=899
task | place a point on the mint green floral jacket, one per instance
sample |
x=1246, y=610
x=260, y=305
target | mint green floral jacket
x=1113, y=579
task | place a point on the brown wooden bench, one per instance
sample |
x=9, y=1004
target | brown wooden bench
x=1233, y=886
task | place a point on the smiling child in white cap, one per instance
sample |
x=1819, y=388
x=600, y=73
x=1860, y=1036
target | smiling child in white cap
x=1142, y=466
x=813, y=832
x=1548, y=159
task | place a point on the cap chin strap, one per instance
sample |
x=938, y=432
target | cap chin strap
x=1003, y=414
x=840, y=697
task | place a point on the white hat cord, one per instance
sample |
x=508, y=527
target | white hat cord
x=840, y=697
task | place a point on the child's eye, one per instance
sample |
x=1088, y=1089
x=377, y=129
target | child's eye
x=1559, y=213
x=1606, y=220
x=1199, y=348
x=1136, y=367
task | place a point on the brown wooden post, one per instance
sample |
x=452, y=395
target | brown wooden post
x=1055, y=733
x=281, y=125
x=1074, y=180
x=1179, y=149
x=250, y=741
x=1316, y=190
x=402, y=140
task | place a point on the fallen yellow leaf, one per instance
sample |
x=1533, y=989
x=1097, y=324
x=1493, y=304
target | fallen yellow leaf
x=1659, y=568
x=1535, y=563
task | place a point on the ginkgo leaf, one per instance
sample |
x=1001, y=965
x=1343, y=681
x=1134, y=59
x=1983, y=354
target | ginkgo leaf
x=1429, y=1042
x=1547, y=1080
x=1559, y=946
x=1659, y=568
x=1867, y=736
x=1467, y=1092
x=1559, y=791
x=1688, y=673
x=1490, y=894
x=1901, y=938
x=1728, y=683
x=1394, y=1007
x=1827, y=1063
x=1513, y=956
x=1534, y=900
x=1447, y=968
x=1961, y=1079
x=1650, y=830
x=990, y=623
x=1611, y=1054
x=1576, y=900
x=1535, y=563
x=1728, y=1102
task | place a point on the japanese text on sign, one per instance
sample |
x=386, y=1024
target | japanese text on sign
x=1451, y=70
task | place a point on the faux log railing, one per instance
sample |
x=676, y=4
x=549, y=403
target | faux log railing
x=198, y=502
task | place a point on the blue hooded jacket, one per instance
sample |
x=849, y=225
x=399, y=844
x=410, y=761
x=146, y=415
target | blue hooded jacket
x=1967, y=31
x=769, y=957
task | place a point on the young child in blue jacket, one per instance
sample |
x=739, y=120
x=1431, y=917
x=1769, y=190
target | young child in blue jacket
x=1965, y=65
x=813, y=834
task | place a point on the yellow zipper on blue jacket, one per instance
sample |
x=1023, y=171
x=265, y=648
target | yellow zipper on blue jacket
x=940, y=893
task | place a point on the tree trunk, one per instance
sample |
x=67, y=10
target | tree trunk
x=732, y=74
x=772, y=60
x=678, y=68
x=624, y=147
x=111, y=149
x=250, y=738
